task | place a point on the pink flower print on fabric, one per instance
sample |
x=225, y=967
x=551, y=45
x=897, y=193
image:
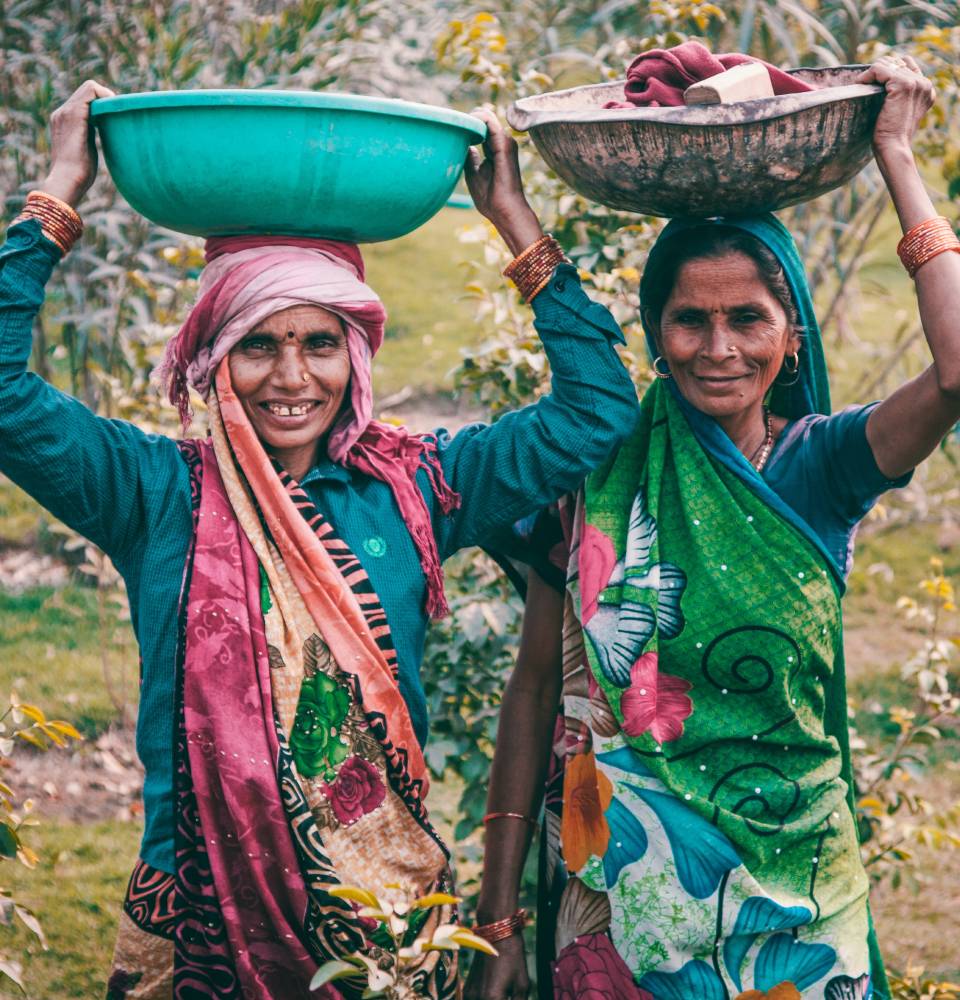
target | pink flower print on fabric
x=655, y=702
x=598, y=558
x=356, y=791
x=590, y=968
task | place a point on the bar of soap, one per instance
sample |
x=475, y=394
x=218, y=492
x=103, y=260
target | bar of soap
x=746, y=82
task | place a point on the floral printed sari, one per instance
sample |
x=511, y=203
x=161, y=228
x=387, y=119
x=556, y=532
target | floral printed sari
x=297, y=766
x=701, y=841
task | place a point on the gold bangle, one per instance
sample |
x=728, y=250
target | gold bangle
x=508, y=815
x=57, y=204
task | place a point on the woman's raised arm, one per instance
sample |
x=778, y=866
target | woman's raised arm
x=530, y=457
x=99, y=476
x=905, y=428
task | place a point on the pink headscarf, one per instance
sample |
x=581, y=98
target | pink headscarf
x=248, y=278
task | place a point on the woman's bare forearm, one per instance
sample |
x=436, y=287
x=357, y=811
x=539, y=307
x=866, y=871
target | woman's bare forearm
x=938, y=281
x=527, y=719
x=910, y=424
x=905, y=428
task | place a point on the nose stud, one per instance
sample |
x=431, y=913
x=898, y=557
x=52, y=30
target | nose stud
x=306, y=377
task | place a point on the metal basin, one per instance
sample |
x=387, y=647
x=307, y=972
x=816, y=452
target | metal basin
x=733, y=159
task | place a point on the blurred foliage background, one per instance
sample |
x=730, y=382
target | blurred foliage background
x=456, y=327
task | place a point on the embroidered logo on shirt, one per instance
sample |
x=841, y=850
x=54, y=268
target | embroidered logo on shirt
x=375, y=546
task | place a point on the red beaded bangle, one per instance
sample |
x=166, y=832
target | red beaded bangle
x=499, y=930
x=925, y=241
x=58, y=221
x=530, y=271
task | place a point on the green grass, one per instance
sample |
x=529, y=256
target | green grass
x=421, y=283
x=50, y=653
x=76, y=890
x=20, y=516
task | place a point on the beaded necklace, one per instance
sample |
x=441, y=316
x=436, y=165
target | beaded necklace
x=759, y=458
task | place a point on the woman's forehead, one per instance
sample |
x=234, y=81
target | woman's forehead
x=731, y=277
x=303, y=318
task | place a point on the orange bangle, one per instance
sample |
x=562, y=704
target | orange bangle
x=58, y=221
x=925, y=241
x=531, y=270
x=502, y=929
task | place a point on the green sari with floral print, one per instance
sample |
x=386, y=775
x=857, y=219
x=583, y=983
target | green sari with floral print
x=701, y=840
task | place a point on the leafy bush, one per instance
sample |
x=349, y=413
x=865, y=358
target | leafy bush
x=22, y=723
x=894, y=819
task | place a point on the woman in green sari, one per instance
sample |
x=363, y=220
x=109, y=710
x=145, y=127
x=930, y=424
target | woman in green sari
x=700, y=834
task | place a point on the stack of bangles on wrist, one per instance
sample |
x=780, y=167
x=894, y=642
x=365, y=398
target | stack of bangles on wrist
x=926, y=241
x=500, y=930
x=58, y=221
x=530, y=271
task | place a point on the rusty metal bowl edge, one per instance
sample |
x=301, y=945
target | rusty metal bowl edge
x=735, y=159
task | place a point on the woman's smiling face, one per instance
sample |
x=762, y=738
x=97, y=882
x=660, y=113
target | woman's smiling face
x=724, y=334
x=291, y=373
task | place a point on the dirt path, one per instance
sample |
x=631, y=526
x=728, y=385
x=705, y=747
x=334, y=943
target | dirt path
x=95, y=781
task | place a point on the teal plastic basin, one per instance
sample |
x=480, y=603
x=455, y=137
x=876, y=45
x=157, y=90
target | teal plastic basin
x=220, y=162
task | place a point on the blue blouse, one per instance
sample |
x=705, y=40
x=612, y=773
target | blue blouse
x=824, y=468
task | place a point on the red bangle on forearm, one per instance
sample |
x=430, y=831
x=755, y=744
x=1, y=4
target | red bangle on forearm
x=530, y=271
x=499, y=930
x=925, y=241
x=58, y=221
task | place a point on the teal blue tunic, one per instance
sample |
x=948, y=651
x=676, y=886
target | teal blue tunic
x=129, y=492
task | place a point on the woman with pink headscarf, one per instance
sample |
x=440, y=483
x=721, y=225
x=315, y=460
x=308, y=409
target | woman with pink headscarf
x=282, y=572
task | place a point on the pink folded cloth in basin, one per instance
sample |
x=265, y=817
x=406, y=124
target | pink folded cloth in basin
x=658, y=78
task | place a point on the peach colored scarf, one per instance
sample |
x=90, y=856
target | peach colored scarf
x=249, y=278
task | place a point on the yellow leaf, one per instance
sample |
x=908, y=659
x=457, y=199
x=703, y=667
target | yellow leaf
x=356, y=895
x=27, y=857
x=435, y=899
x=30, y=737
x=32, y=712
x=52, y=735
x=66, y=729
x=467, y=939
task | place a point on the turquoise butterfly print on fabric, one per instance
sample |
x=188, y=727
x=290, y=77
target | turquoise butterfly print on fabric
x=650, y=594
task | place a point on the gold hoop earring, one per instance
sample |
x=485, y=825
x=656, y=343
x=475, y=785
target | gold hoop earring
x=656, y=370
x=794, y=371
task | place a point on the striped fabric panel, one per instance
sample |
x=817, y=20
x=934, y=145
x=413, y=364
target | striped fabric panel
x=350, y=567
